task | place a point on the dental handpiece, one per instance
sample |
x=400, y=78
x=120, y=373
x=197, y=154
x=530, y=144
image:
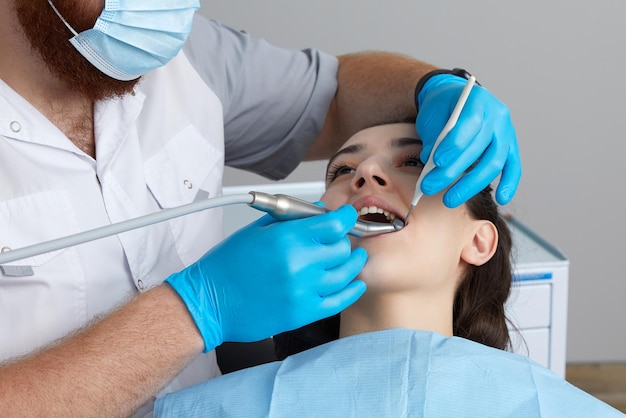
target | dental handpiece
x=284, y=207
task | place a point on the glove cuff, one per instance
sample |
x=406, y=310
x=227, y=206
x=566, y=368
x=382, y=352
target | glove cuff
x=459, y=72
x=207, y=324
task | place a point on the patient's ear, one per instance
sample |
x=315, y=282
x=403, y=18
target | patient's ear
x=482, y=245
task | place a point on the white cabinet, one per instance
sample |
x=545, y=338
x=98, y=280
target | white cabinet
x=537, y=305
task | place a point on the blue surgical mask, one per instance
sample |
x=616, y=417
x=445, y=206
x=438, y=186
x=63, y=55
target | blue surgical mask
x=132, y=37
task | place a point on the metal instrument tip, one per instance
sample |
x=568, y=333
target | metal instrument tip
x=398, y=224
x=406, y=218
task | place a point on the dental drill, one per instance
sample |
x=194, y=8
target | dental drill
x=281, y=207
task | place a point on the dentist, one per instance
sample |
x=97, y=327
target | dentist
x=110, y=110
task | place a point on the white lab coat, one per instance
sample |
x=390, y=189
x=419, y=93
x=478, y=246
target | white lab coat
x=57, y=195
x=161, y=147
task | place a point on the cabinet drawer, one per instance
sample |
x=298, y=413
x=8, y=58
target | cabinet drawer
x=532, y=343
x=529, y=305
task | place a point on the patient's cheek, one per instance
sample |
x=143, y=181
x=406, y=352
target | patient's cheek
x=335, y=196
x=330, y=202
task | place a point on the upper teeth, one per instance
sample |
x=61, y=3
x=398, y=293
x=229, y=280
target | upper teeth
x=373, y=209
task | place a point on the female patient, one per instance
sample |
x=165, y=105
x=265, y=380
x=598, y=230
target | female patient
x=428, y=336
x=448, y=271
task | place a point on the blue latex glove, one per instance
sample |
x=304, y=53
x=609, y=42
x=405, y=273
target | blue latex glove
x=272, y=276
x=483, y=131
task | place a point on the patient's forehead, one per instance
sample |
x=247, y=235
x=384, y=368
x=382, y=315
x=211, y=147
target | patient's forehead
x=383, y=132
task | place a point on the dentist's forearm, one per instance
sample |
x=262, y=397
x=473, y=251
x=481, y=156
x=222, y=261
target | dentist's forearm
x=372, y=88
x=109, y=369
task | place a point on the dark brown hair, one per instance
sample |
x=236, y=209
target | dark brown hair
x=479, y=301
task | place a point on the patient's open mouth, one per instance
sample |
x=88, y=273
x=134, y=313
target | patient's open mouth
x=376, y=214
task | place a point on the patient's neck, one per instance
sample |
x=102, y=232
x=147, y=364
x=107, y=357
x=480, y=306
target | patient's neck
x=376, y=312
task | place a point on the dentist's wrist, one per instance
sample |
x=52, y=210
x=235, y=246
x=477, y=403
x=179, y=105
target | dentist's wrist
x=459, y=72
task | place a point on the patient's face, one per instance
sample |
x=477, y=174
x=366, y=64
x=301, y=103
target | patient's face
x=379, y=167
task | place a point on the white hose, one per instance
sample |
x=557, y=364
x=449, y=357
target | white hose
x=108, y=230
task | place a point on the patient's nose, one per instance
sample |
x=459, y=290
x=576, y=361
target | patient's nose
x=370, y=173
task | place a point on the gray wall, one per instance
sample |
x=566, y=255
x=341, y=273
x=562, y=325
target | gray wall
x=559, y=66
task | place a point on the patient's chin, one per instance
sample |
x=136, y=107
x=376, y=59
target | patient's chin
x=381, y=277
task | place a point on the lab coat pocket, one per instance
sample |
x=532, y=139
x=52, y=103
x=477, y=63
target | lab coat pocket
x=189, y=167
x=180, y=170
x=36, y=218
x=36, y=309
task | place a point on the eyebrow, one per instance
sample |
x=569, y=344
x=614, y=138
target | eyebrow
x=405, y=142
x=356, y=148
x=352, y=149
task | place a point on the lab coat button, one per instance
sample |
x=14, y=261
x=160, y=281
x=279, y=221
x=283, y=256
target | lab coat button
x=15, y=126
x=140, y=284
x=5, y=249
x=188, y=184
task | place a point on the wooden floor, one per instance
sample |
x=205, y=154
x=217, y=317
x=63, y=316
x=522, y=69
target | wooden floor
x=604, y=381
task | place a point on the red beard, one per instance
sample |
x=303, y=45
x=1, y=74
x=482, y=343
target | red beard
x=49, y=38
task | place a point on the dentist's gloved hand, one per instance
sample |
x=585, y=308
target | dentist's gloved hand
x=272, y=276
x=483, y=132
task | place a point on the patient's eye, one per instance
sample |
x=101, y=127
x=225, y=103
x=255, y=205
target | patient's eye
x=413, y=160
x=338, y=169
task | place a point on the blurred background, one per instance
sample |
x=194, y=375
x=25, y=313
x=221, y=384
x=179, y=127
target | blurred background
x=559, y=66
